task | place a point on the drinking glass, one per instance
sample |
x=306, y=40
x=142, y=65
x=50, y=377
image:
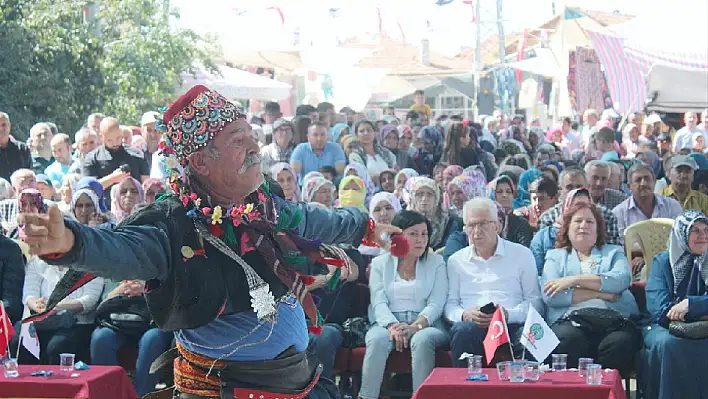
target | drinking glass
x=531, y=371
x=66, y=362
x=560, y=362
x=583, y=365
x=516, y=371
x=503, y=370
x=10, y=368
x=474, y=365
x=594, y=374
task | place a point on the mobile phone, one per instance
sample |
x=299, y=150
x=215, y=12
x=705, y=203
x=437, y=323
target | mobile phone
x=125, y=168
x=489, y=308
x=31, y=201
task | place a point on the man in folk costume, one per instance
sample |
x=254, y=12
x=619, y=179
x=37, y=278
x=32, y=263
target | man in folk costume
x=216, y=258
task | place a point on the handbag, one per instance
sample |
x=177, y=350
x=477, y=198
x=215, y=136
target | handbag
x=597, y=320
x=125, y=314
x=355, y=329
x=689, y=330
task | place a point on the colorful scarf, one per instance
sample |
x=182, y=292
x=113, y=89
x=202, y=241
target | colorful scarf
x=363, y=172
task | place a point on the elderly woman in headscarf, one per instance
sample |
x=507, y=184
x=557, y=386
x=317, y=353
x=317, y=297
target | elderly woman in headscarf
x=362, y=171
x=383, y=207
x=153, y=189
x=370, y=151
x=318, y=190
x=349, y=144
x=427, y=200
x=97, y=187
x=449, y=173
x=430, y=150
x=125, y=196
x=401, y=191
x=352, y=192
x=672, y=366
x=284, y=174
x=84, y=204
x=389, y=137
x=463, y=188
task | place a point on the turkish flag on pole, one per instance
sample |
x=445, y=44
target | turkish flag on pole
x=497, y=335
x=6, y=330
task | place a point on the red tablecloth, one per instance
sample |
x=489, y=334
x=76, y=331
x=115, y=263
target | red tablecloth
x=449, y=383
x=98, y=382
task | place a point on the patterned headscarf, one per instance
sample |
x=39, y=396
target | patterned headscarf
x=385, y=131
x=501, y=179
x=313, y=184
x=432, y=134
x=5, y=189
x=681, y=258
x=194, y=119
x=363, y=172
x=310, y=176
x=441, y=216
x=403, y=194
x=450, y=171
x=569, y=201
x=472, y=186
x=116, y=208
x=281, y=166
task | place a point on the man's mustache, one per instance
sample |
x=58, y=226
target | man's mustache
x=250, y=161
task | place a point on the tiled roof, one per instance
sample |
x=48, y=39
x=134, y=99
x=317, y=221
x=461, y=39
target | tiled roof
x=404, y=59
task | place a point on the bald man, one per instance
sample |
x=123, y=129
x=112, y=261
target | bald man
x=113, y=161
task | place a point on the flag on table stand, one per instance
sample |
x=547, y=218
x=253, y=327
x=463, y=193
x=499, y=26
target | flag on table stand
x=497, y=335
x=29, y=338
x=537, y=337
x=6, y=330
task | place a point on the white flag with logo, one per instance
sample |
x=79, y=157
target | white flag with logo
x=537, y=337
x=29, y=338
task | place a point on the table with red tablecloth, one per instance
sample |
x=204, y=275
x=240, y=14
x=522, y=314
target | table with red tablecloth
x=451, y=383
x=98, y=382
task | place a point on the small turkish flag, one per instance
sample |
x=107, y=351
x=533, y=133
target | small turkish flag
x=497, y=335
x=6, y=330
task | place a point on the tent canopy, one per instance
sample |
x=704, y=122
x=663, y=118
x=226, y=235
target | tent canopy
x=544, y=63
x=674, y=90
x=235, y=83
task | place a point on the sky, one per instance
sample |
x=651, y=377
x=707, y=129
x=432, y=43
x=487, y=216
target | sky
x=243, y=25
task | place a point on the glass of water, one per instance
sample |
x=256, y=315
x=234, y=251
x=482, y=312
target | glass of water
x=594, y=374
x=474, y=365
x=532, y=371
x=503, y=370
x=66, y=362
x=10, y=368
x=516, y=371
x=560, y=362
x=583, y=365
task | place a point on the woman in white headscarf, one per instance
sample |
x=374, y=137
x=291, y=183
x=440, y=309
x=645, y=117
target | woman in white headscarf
x=382, y=208
x=672, y=366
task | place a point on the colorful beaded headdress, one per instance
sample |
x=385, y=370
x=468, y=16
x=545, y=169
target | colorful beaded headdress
x=193, y=120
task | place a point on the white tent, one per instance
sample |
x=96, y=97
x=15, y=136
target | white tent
x=234, y=83
x=545, y=63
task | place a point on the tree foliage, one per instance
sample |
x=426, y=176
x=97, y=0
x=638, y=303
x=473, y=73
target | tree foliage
x=57, y=66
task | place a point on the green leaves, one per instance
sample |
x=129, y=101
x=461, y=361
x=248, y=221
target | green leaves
x=56, y=69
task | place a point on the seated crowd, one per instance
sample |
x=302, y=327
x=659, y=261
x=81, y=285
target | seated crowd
x=499, y=214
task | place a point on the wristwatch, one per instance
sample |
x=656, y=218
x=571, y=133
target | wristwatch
x=418, y=326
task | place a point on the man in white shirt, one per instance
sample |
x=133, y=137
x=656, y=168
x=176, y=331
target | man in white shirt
x=684, y=137
x=491, y=270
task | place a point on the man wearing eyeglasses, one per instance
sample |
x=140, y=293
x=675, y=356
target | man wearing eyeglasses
x=491, y=270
